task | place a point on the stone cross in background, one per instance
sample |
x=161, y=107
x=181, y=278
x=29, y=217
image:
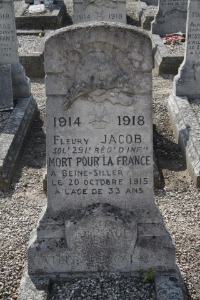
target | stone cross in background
x=11, y=69
x=99, y=10
x=187, y=82
x=171, y=17
x=101, y=214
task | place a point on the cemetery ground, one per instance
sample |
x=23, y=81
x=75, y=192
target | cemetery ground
x=178, y=201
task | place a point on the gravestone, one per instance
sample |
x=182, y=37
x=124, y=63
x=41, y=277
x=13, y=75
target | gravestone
x=99, y=10
x=6, y=94
x=100, y=213
x=9, y=51
x=187, y=82
x=171, y=17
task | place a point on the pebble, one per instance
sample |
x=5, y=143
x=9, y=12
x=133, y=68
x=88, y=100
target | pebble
x=113, y=286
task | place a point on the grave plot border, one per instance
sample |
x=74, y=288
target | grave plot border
x=144, y=15
x=33, y=62
x=13, y=137
x=164, y=61
x=168, y=285
x=54, y=21
x=186, y=129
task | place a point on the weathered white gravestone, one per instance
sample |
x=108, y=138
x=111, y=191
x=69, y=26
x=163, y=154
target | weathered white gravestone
x=9, y=57
x=99, y=10
x=171, y=17
x=101, y=214
x=187, y=82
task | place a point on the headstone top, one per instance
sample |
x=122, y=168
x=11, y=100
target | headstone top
x=99, y=10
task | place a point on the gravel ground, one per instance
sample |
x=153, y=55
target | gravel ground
x=178, y=203
x=195, y=104
x=113, y=287
x=34, y=44
x=176, y=48
x=151, y=10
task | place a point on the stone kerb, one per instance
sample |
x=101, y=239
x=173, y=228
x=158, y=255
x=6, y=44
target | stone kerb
x=103, y=10
x=171, y=17
x=6, y=92
x=187, y=88
x=9, y=50
x=186, y=83
x=100, y=214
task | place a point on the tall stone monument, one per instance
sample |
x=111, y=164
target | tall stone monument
x=100, y=214
x=12, y=70
x=187, y=82
x=171, y=17
x=99, y=10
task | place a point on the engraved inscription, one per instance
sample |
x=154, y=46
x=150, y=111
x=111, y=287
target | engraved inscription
x=80, y=166
x=8, y=39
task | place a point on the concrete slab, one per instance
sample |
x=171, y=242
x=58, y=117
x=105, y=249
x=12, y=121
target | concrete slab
x=49, y=20
x=187, y=133
x=12, y=138
x=164, y=61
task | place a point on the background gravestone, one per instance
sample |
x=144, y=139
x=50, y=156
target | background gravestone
x=9, y=50
x=101, y=214
x=187, y=82
x=103, y=10
x=171, y=17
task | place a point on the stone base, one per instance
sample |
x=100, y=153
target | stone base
x=187, y=133
x=99, y=238
x=13, y=137
x=186, y=83
x=167, y=286
x=145, y=14
x=53, y=20
x=164, y=61
x=33, y=288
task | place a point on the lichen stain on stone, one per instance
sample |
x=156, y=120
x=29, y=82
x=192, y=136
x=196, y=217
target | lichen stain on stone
x=98, y=78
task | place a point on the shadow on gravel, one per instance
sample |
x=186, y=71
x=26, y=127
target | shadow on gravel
x=34, y=151
x=168, y=153
x=131, y=21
